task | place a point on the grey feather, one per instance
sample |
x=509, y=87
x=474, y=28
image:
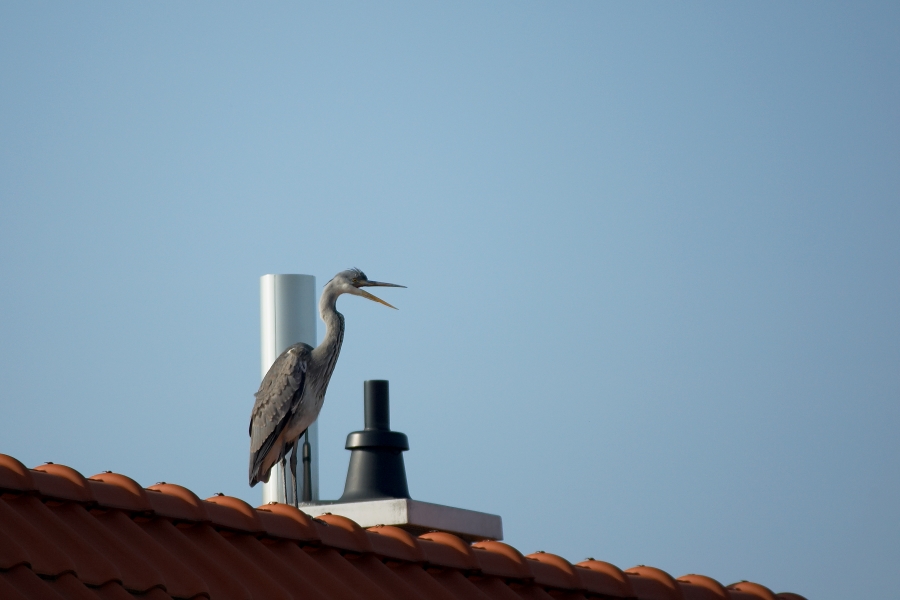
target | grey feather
x=279, y=395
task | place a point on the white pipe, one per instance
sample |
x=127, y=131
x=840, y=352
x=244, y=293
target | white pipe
x=287, y=310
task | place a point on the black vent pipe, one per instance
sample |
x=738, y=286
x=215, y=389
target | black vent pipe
x=376, y=459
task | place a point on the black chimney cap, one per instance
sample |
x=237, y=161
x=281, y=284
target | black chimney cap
x=376, y=460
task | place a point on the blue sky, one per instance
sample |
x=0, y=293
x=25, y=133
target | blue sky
x=651, y=252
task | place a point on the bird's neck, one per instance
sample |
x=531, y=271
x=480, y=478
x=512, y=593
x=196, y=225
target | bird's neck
x=330, y=347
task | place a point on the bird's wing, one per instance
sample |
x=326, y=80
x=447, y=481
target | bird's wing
x=280, y=392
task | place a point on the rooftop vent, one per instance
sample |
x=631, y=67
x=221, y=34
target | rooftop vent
x=376, y=492
x=376, y=453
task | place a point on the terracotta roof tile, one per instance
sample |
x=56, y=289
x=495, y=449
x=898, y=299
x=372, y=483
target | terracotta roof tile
x=458, y=584
x=654, y=584
x=21, y=582
x=699, y=587
x=176, y=503
x=68, y=586
x=501, y=560
x=388, y=580
x=603, y=578
x=14, y=475
x=493, y=587
x=530, y=592
x=447, y=550
x=393, y=542
x=107, y=538
x=38, y=552
x=561, y=595
x=179, y=580
x=286, y=522
x=192, y=553
x=135, y=572
x=346, y=570
x=753, y=590
x=738, y=595
x=233, y=513
x=421, y=582
x=12, y=554
x=228, y=564
x=7, y=588
x=154, y=594
x=341, y=532
x=276, y=569
x=292, y=561
x=63, y=483
x=113, y=591
x=553, y=571
x=117, y=491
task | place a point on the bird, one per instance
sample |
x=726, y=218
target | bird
x=292, y=392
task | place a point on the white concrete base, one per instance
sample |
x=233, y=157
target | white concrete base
x=415, y=516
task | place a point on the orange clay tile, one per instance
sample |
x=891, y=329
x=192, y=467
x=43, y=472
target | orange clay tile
x=226, y=512
x=698, y=587
x=62, y=482
x=117, y=491
x=444, y=549
x=553, y=571
x=754, y=590
x=393, y=542
x=176, y=503
x=654, y=583
x=286, y=522
x=502, y=560
x=342, y=533
x=601, y=577
x=63, y=536
x=14, y=476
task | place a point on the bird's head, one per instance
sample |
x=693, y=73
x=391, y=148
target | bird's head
x=352, y=280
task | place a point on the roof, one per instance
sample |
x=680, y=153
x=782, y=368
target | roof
x=106, y=537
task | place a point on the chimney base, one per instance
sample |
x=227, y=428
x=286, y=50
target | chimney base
x=415, y=517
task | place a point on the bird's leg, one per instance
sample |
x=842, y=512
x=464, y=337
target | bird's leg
x=294, y=473
x=307, y=469
x=290, y=489
x=284, y=478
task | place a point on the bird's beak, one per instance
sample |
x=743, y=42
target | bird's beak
x=372, y=297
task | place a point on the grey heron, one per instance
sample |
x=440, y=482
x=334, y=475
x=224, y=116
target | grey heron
x=291, y=394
